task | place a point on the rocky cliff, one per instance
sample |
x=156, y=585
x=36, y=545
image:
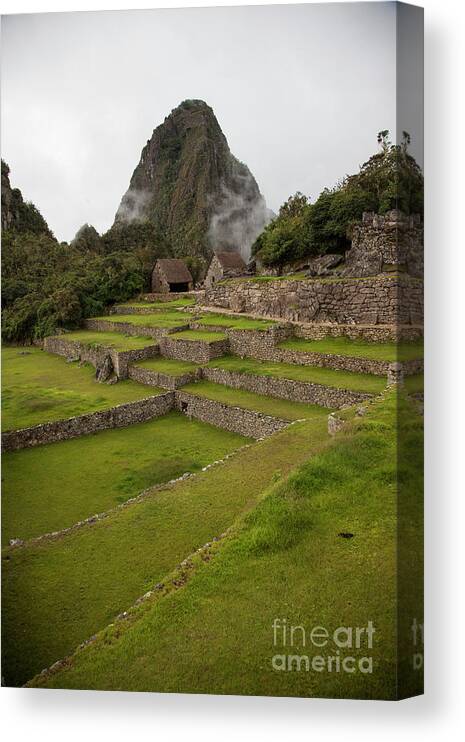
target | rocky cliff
x=192, y=189
x=17, y=214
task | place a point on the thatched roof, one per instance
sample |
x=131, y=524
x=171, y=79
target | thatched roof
x=231, y=261
x=174, y=270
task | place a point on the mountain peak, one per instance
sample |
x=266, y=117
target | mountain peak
x=190, y=186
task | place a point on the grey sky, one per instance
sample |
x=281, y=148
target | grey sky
x=299, y=91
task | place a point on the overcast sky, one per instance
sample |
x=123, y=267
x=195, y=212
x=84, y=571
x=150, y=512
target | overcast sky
x=299, y=91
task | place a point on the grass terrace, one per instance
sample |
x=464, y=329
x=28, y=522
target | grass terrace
x=158, y=319
x=310, y=374
x=202, y=336
x=39, y=387
x=415, y=384
x=343, y=346
x=235, y=323
x=168, y=366
x=115, y=340
x=77, y=478
x=286, y=558
x=156, y=305
x=274, y=406
x=62, y=592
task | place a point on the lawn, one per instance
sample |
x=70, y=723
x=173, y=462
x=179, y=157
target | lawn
x=415, y=384
x=78, y=478
x=156, y=305
x=198, y=335
x=157, y=319
x=274, y=406
x=39, y=387
x=343, y=346
x=168, y=366
x=59, y=593
x=312, y=374
x=236, y=323
x=287, y=560
x=116, y=340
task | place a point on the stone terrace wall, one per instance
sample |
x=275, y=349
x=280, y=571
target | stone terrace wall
x=386, y=299
x=96, y=355
x=296, y=391
x=262, y=346
x=197, y=351
x=116, y=417
x=165, y=381
x=127, y=328
x=370, y=333
x=235, y=419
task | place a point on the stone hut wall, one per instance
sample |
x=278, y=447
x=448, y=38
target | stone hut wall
x=235, y=419
x=386, y=242
x=295, y=391
x=116, y=417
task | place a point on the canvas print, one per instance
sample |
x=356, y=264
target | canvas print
x=212, y=350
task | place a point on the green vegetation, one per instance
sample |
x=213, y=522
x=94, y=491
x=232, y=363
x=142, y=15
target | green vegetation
x=285, y=559
x=62, y=592
x=168, y=366
x=38, y=387
x=156, y=305
x=415, y=384
x=274, y=406
x=75, y=479
x=158, y=319
x=199, y=335
x=116, y=340
x=343, y=346
x=236, y=323
x=390, y=179
x=312, y=374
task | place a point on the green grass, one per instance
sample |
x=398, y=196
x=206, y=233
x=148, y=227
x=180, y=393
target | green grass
x=158, y=319
x=116, y=340
x=59, y=593
x=168, y=366
x=313, y=374
x=156, y=305
x=39, y=387
x=236, y=323
x=286, y=560
x=48, y=488
x=357, y=348
x=198, y=335
x=281, y=408
x=414, y=384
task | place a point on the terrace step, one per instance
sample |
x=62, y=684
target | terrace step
x=135, y=329
x=89, y=349
x=190, y=345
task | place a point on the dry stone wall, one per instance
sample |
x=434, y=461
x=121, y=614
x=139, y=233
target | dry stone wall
x=96, y=355
x=197, y=351
x=385, y=242
x=370, y=333
x=73, y=427
x=235, y=419
x=386, y=299
x=295, y=391
x=165, y=381
x=100, y=325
